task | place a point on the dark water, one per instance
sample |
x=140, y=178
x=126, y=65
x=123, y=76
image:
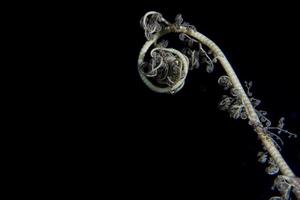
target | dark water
x=140, y=144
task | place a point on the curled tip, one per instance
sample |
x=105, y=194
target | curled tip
x=178, y=20
x=152, y=22
x=168, y=73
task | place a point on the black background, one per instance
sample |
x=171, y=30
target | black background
x=147, y=145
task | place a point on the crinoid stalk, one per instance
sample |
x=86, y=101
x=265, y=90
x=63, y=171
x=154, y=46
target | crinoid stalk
x=168, y=68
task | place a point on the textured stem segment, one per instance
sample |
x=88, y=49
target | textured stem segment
x=253, y=117
x=251, y=113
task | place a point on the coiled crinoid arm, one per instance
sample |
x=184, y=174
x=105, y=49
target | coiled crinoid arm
x=167, y=69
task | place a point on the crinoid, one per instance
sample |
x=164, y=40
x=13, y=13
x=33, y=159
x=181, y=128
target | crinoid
x=167, y=69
